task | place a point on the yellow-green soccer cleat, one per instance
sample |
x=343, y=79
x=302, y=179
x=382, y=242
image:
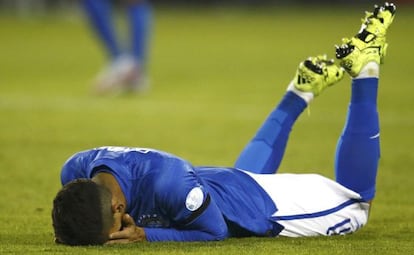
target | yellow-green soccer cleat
x=317, y=73
x=369, y=44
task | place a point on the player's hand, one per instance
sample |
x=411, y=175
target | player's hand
x=130, y=233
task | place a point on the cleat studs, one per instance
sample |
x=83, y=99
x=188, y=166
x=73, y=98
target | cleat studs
x=377, y=9
x=390, y=7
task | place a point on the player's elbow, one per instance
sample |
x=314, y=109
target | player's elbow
x=219, y=233
x=216, y=236
x=221, y=236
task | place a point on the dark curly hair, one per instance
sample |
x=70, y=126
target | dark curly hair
x=82, y=213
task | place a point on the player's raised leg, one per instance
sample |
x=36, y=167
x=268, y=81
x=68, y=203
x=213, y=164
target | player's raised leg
x=358, y=148
x=264, y=152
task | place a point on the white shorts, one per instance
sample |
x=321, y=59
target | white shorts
x=311, y=205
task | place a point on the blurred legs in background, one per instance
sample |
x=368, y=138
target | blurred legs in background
x=126, y=71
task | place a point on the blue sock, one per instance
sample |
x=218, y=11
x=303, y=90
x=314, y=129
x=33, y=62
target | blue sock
x=100, y=17
x=264, y=152
x=358, y=148
x=140, y=16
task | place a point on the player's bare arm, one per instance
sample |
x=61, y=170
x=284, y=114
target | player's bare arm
x=130, y=233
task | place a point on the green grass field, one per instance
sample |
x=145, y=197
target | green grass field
x=215, y=74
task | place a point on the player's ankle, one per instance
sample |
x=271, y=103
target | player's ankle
x=370, y=70
x=307, y=96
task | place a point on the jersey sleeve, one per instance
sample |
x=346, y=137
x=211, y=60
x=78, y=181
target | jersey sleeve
x=187, y=203
x=208, y=226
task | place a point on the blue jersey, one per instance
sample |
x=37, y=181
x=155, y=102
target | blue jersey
x=174, y=201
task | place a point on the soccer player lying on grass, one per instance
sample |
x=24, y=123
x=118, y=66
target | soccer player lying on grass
x=122, y=195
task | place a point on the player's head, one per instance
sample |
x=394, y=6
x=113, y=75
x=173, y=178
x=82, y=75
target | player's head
x=82, y=213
